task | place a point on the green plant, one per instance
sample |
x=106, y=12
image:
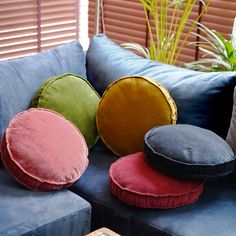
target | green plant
x=219, y=52
x=165, y=34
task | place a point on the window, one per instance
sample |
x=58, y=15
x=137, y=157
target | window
x=124, y=22
x=30, y=26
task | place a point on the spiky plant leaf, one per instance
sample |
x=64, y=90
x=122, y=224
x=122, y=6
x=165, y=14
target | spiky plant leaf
x=138, y=48
x=219, y=52
x=233, y=35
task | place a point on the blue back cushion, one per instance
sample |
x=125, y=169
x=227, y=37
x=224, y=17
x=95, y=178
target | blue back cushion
x=20, y=78
x=202, y=99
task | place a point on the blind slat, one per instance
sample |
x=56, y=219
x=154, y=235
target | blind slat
x=15, y=40
x=18, y=47
x=20, y=53
x=5, y=8
x=61, y=38
x=54, y=44
x=17, y=33
x=49, y=3
x=17, y=24
x=14, y=2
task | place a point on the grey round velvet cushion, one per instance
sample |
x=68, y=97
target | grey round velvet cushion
x=188, y=151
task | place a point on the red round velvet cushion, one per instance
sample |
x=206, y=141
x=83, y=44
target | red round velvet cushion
x=44, y=151
x=136, y=183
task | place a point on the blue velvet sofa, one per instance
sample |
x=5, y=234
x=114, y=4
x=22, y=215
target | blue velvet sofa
x=202, y=99
x=89, y=202
x=24, y=212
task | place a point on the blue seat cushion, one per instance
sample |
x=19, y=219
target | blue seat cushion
x=213, y=214
x=20, y=78
x=202, y=99
x=24, y=212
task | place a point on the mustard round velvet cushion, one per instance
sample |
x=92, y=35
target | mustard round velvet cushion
x=73, y=97
x=129, y=108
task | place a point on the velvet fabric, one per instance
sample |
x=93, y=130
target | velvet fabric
x=129, y=108
x=202, y=99
x=73, y=97
x=28, y=213
x=20, y=78
x=43, y=151
x=136, y=183
x=213, y=214
x=188, y=151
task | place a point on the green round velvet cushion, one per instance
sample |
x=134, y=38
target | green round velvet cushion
x=73, y=97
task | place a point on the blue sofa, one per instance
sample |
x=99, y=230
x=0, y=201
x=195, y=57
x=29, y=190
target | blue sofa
x=89, y=200
x=202, y=99
x=24, y=212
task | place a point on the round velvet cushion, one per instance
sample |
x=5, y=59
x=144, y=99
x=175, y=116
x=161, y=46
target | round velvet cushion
x=128, y=109
x=136, y=183
x=188, y=151
x=73, y=97
x=44, y=151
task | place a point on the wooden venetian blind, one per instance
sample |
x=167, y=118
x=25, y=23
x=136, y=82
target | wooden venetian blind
x=220, y=17
x=124, y=22
x=30, y=26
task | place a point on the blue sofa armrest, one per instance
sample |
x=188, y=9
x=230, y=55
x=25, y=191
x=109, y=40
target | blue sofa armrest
x=23, y=212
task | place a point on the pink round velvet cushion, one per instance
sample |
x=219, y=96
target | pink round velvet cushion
x=44, y=151
x=136, y=183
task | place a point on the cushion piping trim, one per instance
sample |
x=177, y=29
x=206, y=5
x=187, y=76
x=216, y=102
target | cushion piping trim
x=26, y=172
x=201, y=170
x=169, y=99
x=158, y=200
x=48, y=82
x=191, y=196
x=201, y=184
